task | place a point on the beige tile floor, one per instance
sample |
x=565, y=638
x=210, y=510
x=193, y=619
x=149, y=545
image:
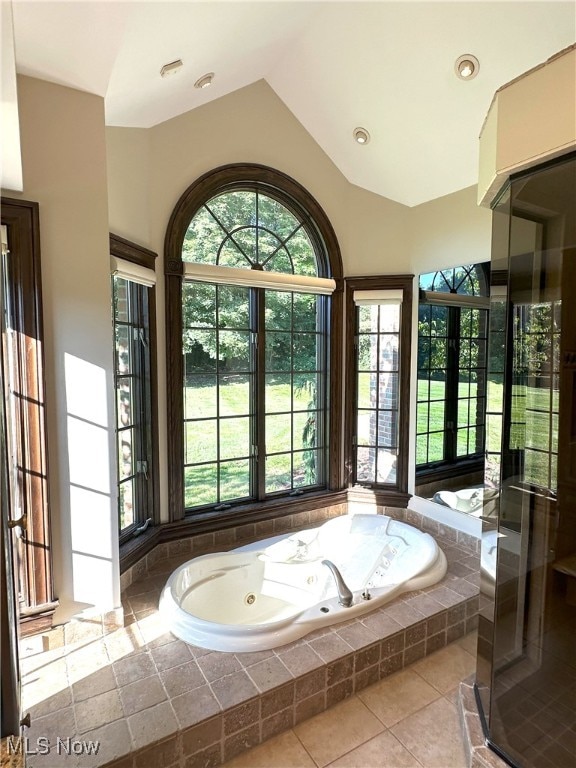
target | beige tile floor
x=408, y=720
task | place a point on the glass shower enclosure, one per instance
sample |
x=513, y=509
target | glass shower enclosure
x=526, y=672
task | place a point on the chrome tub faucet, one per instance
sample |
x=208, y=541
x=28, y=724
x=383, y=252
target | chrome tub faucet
x=345, y=596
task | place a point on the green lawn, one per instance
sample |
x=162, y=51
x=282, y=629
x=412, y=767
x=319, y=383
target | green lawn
x=284, y=431
x=533, y=424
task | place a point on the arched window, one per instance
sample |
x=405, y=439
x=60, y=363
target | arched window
x=249, y=323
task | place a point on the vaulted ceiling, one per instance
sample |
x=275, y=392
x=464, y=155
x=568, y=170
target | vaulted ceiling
x=385, y=66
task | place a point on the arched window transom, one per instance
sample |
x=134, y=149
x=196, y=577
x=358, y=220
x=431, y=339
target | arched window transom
x=247, y=229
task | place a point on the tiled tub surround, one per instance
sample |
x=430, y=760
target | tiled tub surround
x=236, y=536
x=153, y=700
x=274, y=591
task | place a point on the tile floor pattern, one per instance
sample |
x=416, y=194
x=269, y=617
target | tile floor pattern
x=407, y=720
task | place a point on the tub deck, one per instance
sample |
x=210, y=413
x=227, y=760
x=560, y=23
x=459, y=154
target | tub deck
x=151, y=699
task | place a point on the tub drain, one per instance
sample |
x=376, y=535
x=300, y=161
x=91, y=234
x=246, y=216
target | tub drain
x=250, y=598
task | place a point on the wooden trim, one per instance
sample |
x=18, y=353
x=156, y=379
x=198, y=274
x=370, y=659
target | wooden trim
x=499, y=277
x=25, y=295
x=379, y=496
x=137, y=547
x=294, y=196
x=380, y=282
x=205, y=522
x=446, y=471
x=154, y=403
x=137, y=254
x=258, y=462
x=34, y=625
x=209, y=521
x=175, y=396
x=335, y=427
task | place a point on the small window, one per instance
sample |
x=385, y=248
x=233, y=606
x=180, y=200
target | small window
x=379, y=381
x=132, y=293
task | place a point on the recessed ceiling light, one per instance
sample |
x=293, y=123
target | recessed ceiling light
x=361, y=135
x=466, y=66
x=204, y=81
x=171, y=68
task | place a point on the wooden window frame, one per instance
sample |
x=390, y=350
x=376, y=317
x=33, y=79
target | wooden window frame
x=131, y=548
x=380, y=493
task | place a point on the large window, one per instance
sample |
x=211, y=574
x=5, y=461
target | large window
x=379, y=311
x=255, y=306
x=452, y=336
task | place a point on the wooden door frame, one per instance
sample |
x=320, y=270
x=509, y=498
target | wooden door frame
x=25, y=295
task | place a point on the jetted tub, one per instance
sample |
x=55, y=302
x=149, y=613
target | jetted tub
x=272, y=592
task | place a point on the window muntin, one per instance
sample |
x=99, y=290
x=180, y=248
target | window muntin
x=295, y=397
x=379, y=312
x=246, y=229
x=465, y=280
x=255, y=358
x=432, y=373
x=452, y=359
x=377, y=392
x=536, y=332
x=133, y=402
x=495, y=385
x=218, y=393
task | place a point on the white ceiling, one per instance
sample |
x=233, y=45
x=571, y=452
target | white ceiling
x=386, y=66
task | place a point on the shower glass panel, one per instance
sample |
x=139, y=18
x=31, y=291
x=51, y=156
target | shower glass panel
x=526, y=676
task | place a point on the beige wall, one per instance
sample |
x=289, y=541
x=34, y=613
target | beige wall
x=250, y=125
x=64, y=167
x=531, y=119
x=449, y=231
x=376, y=235
x=127, y=161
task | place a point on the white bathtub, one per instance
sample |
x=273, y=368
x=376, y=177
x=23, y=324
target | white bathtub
x=274, y=591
